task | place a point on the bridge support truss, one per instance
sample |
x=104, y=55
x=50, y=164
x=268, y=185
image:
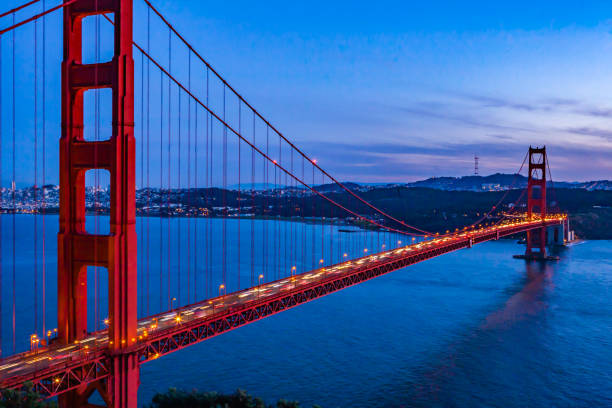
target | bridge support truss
x=536, y=201
x=78, y=249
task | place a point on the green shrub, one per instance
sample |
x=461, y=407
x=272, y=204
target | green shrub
x=175, y=398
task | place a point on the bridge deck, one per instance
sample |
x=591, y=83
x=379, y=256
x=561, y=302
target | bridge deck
x=59, y=368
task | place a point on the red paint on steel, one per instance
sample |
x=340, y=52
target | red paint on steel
x=76, y=248
x=536, y=200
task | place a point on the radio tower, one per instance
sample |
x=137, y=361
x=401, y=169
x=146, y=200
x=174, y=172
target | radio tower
x=476, y=165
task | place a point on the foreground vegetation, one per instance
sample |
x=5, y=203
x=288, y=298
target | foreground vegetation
x=175, y=398
x=26, y=398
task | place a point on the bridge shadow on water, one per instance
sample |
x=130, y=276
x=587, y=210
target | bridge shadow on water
x=528, y=302
x=495, y=362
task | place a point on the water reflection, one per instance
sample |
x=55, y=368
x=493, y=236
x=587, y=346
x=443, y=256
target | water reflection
x=471, y=364
x=529, y=301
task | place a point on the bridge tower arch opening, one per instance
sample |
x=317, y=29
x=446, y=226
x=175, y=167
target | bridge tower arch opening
x=536, y=201
x=78, y=249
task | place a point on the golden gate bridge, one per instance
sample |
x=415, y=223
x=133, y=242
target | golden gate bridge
x=246, y=224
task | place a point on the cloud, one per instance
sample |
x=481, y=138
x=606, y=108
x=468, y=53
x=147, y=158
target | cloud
x=497, y=102
x=501, y=137
x=561, y=101
x=590, y=131
x=443, y=113
x=402, y=162
x=550, y=105
x=595, y=111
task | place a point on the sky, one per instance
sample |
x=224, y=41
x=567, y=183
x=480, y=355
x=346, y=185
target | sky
x=398, y=91
x=392, y=91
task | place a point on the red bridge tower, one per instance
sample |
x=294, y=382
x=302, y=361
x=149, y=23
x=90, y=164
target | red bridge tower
x=78, y=249
x=536, y=201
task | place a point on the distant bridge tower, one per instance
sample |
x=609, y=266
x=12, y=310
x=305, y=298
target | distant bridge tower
x=536, y=201
x=77, y=249
x=476, y=164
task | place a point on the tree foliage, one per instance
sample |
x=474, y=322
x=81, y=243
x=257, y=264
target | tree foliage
x=175, y=398
x=24, y=398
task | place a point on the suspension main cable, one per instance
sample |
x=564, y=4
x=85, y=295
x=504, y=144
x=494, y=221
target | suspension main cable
x=16, y=9
x=36, y=17
x=341, y=185
x=226, y=125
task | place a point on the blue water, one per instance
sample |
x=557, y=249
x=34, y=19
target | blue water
x=178, y=258
x=471, y=328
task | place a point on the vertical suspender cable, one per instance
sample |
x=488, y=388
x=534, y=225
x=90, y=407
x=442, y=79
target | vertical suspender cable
x=291, y=213
x=294, y=226
x=189, y=194
x=278, y=210
x=286, y=214
x=331, y=235
x=211, y=173
x=36, y=176
x=161, y=188
x=253, y=207
x=169, y=299
x=96, y=112
x=44, y=288
x=1, y=199
x=303, y=213
x=313, y=219
x=225, y=209
x=267, y=208
x=239, y=186
x=197, y=198
x=275, y=236
x=141, y=279
x=322, y=221
x=177, y=199
x=206, y=186
x=198, y=201
x=13, y=188
x=148, y=161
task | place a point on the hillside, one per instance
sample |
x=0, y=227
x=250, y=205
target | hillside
x=501, y=181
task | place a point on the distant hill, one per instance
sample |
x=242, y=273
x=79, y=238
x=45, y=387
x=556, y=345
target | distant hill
x=493, y=182
x=498, y=182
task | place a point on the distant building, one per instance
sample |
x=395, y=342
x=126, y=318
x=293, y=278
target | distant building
x=491, y=187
